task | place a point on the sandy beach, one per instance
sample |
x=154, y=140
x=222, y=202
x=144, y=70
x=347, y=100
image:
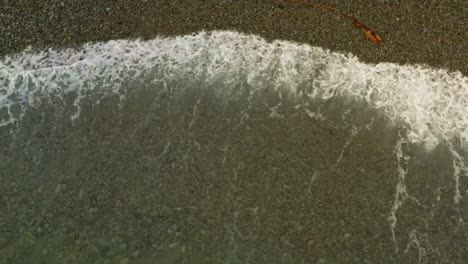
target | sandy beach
x=425, y=32
x=191, y=178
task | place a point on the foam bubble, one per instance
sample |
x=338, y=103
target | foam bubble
x=432, y=103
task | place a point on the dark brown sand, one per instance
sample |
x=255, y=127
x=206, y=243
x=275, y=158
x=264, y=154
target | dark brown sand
x=428, y=32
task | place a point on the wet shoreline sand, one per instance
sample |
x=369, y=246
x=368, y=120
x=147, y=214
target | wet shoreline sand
x=105, y=203
x=413, y=31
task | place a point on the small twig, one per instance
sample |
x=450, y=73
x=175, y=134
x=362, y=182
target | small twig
x=370, y=34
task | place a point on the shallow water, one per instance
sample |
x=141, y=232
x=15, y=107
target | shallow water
x=220, y=147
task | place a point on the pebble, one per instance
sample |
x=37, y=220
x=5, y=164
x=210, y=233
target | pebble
x=102, y=245
x=3, y=242
x=124, y=261
x=59, y=188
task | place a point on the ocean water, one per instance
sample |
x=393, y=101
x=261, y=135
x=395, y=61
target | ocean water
x=222, y=147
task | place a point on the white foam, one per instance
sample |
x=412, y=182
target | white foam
x=433, y=103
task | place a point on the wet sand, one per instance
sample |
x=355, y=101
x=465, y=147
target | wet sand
x=100, y=201
x=427, y=32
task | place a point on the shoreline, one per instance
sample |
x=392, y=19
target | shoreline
x=413, y=33
x=176, y=174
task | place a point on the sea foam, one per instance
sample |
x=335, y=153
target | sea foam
x=431, y=103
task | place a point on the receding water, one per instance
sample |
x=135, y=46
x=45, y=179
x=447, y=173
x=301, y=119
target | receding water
x=220, y=147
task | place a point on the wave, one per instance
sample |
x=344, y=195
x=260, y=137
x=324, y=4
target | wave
x=431, y=103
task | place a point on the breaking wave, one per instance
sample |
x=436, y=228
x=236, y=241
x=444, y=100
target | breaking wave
x=431, y=103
